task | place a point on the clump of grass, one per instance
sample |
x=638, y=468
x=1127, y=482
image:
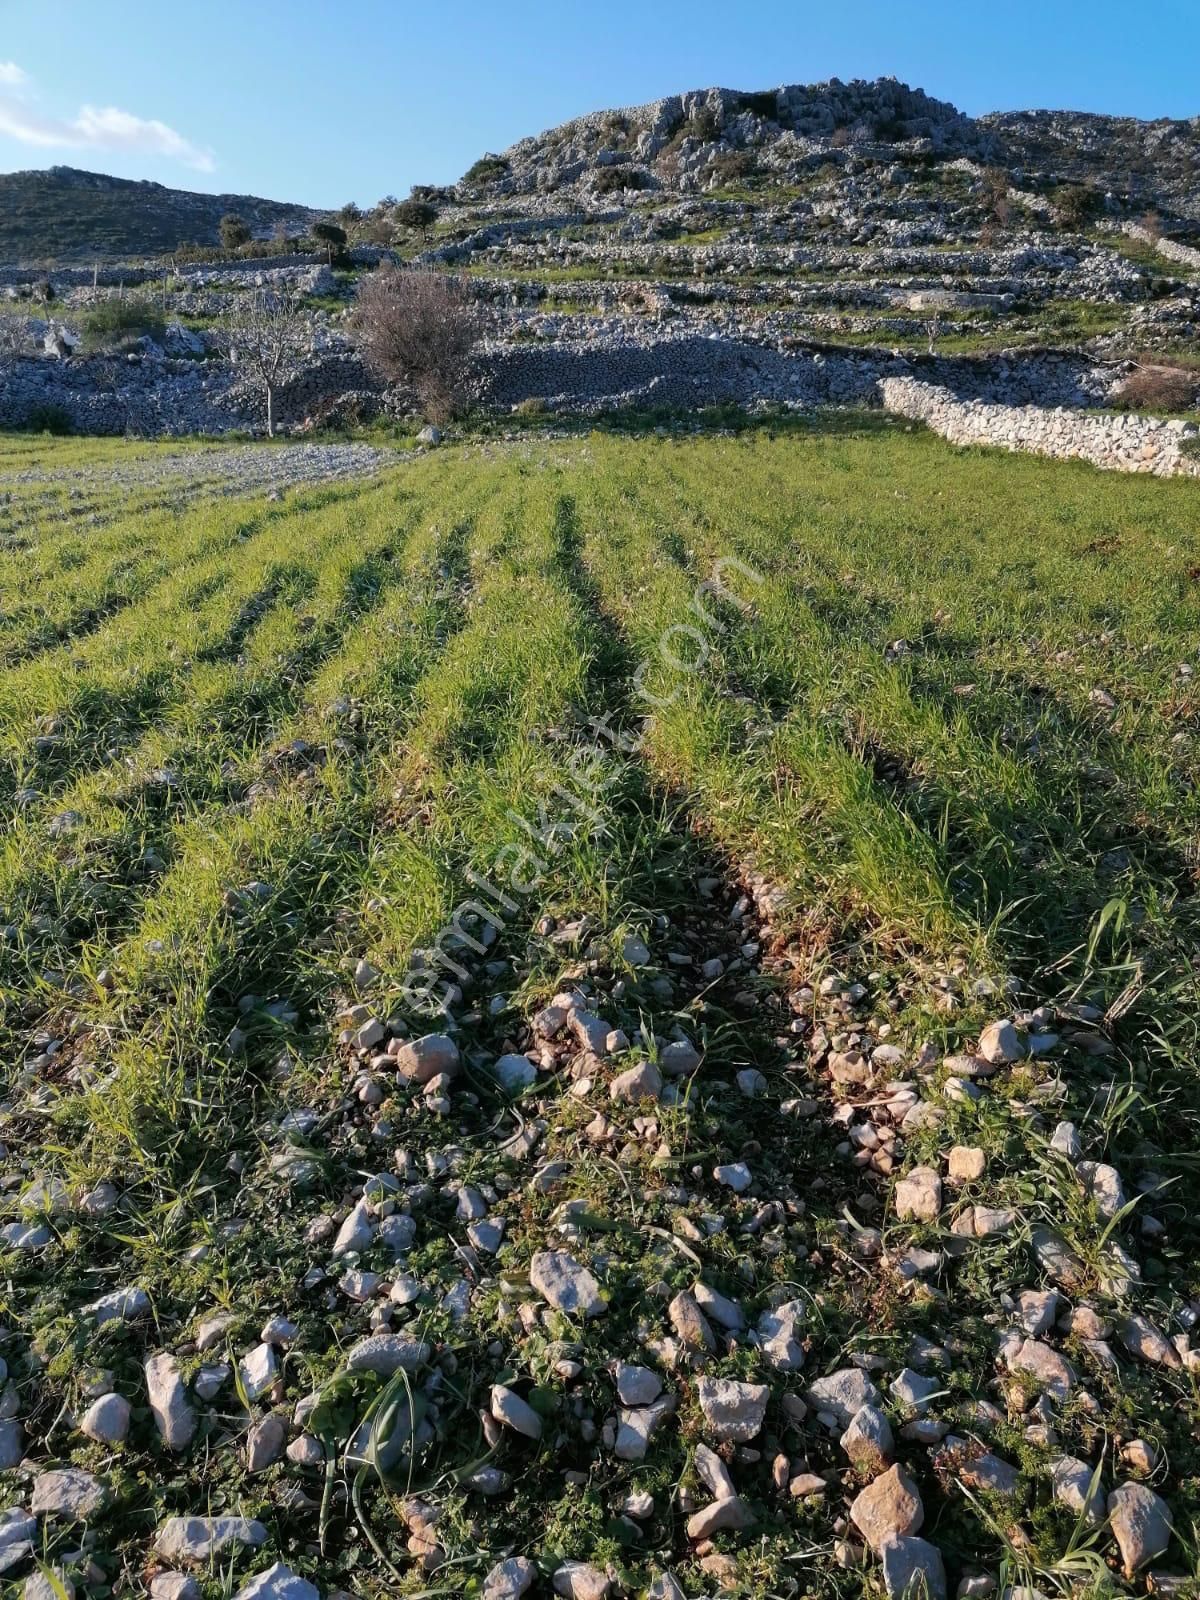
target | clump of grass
x=117, y=323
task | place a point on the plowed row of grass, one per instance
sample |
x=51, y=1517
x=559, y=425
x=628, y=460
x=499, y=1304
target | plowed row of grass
x=945, y=702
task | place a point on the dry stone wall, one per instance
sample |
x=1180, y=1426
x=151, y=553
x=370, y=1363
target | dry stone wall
x=1116, y=443
x=1169, y=249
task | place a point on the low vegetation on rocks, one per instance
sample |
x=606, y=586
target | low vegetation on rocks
x=598, y=1015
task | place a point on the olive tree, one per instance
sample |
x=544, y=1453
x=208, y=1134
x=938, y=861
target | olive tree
x=234, y=231
x=265, y=334
x=331, y=237
x=419, y=215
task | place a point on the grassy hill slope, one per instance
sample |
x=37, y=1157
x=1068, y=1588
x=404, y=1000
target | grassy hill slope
x=64, y=214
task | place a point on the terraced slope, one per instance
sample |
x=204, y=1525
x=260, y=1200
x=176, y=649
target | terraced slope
x=797, y=830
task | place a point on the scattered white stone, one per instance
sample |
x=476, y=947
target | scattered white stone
x=914, y=1567
x=12, y=1443
x=1141, y=1525
x=1038, y=1309
x=69, y=1493
x=387, y=1353
x=720, y=1516
x=356, y=1233
x=43, y=1586
x=194, y=1541
x=1001, y=1043
x=173, y=1415
x=918, y=1196
x=278, y=1330
x=1065, y=1140
x=26, y=1236
x=679, y=1058
x=734, y=1175
x=779, y=1338
x=278, y=1583
x=734, y=1411
x=578, y=1581
x=966, y=1163
x=1103, y=1184
x=264, y=1442
x=514, y=1073
x=123, y=1305
x=843, y=1394
x=568, y=1286
x=488, y=1235
x=431, y=1056
x=258, y=1370
x=1073, y=1489
x=106, y=1420
x=718, y=1308
x=509, y=1580
x=642, y=1081
x=212, y=1331
x=636, y=1426
x=868, y=1441
x=515, y=1413
x=636, y=1386
x=174, y=1586
x=211, y=1379
x=888, y=1508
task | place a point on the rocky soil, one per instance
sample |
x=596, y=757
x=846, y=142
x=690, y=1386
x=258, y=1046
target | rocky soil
x=582, y=1241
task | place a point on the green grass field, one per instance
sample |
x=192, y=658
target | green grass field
x=872, y=742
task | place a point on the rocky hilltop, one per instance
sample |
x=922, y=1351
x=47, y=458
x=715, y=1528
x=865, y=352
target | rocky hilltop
x=701, y=139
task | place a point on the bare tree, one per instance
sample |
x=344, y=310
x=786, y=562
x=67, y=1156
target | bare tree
x=265, y=334
x=14, y=337
x=419, y=328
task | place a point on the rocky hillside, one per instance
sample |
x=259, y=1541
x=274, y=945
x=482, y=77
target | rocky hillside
x=712, y=137
x=793, y=248
x=65, y=214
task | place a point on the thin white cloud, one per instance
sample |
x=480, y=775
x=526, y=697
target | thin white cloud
x=95, y=128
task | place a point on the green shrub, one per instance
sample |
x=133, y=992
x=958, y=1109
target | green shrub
x=735, y=165
x=488, y=169
x=117, y=323
x=417, y=214
x=48, y=419
x=234, y=231
x=608, y=179
x=1075, y=204
x=763, y=104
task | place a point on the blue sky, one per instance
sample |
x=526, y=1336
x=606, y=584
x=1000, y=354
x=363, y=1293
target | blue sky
x=318, y=102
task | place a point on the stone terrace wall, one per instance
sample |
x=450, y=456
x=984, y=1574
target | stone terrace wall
x=686, y=370
x=1116, y=443
x=163, y=398
x=1170, y=249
